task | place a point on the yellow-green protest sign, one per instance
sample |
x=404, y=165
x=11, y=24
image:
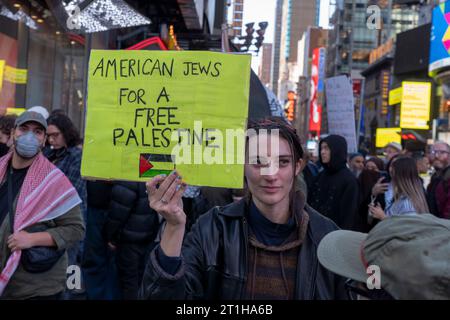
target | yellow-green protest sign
x=387, y=135
x=149, y=112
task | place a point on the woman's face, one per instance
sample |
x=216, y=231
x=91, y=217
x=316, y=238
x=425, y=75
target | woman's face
x=391, y=169
x=55, y=137
x=370, y=165
x=270, y=188
x=4, y=138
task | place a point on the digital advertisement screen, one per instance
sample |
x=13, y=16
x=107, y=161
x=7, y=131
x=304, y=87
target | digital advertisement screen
x=440, y=38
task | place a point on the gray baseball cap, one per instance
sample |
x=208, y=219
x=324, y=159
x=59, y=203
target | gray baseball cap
x=412, y=252
x=31, y=116
x=394, y=145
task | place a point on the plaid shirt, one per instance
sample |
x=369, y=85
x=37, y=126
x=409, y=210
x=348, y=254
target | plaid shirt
x=69, y=162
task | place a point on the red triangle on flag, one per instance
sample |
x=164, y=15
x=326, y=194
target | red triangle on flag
x=144, y=165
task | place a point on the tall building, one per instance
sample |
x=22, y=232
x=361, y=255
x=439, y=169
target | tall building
x=265, y=64
x=236, y=19
x=313, y=38
x=297, y=16
x=401, y=57
x=275, y=65
x=318, y=11
x=356, y=31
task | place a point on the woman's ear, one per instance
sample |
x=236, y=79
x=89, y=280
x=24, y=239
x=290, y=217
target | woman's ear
x=299, y=166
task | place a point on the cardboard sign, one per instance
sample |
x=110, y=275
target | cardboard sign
x=149, y=112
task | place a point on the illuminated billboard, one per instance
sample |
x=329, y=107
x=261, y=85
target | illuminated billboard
x=440, y=38
x=317, y=77
x=415, y=105
x=387, y=135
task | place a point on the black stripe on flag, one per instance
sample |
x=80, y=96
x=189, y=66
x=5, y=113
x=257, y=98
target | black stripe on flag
x=153, y=157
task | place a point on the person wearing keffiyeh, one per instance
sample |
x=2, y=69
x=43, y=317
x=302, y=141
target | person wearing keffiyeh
x=42, y=195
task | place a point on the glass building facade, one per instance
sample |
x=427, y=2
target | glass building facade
x=360, y=26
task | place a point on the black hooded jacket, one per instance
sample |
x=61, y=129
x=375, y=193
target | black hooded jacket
x=334, y=193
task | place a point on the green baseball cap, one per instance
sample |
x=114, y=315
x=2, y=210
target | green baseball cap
x=411, y=251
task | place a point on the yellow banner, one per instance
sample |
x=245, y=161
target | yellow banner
x=14, y=75
x=149, y=112
x=2, y=66
x=395, y=96
x=415, y=107
x=17, y=111
x=387, y=135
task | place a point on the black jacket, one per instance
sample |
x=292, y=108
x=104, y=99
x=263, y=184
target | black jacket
x=99, y=194
x=130, y=219
x=214, y=261
x=335, y=192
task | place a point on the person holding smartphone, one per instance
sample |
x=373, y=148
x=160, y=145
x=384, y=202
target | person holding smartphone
x=408, y=196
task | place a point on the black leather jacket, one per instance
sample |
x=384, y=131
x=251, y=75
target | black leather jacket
x=214, y=261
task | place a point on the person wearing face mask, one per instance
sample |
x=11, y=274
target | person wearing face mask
x=39, y=208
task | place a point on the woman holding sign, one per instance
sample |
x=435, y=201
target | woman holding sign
x=262, y=247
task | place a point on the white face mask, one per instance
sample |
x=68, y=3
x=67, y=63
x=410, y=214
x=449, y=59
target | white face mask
x=28, y=145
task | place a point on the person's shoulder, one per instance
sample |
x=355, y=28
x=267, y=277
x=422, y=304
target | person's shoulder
x=229, y=212
x=74, y=152
x=445, y=174
x=347, y=176
x=406, y=203
x=319, y=225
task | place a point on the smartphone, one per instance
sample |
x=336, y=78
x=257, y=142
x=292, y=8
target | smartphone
x=386, y=176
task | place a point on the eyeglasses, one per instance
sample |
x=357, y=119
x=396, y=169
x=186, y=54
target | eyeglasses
x=356, y=290
x=53, y=135
x=438, y=152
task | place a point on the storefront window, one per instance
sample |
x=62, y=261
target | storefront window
x=52, y=60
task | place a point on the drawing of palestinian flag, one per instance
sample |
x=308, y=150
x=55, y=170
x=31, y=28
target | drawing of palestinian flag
x=152, y=164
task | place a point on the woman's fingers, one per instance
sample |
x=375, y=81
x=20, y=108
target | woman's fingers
x=165, y=185
x=152, y=184
x=167, y=196
x=179, y=193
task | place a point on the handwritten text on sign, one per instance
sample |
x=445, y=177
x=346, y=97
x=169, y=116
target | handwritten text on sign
x=150, y=112
x=341, y=112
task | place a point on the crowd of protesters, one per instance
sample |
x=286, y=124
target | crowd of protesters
x=166, y=240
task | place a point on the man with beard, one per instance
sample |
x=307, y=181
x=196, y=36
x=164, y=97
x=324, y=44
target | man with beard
x=437, y=190
x=39, y=207
x=356, y=163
